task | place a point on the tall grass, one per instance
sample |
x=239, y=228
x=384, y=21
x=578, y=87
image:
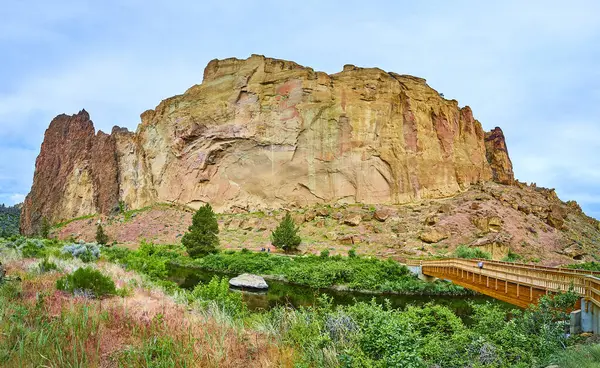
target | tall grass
x=585, y=356
x=32, y=336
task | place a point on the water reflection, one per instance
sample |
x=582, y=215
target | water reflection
x=281, y=293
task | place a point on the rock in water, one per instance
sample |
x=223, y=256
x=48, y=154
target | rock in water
x=249, y=281
x=263, y=133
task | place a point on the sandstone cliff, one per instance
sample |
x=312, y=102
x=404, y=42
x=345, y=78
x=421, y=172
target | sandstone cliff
x=263, y=133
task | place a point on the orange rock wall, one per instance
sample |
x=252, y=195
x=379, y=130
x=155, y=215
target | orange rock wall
x=264, y=133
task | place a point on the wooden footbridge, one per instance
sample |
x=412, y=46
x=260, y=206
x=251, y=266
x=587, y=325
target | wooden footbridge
x=519, y=284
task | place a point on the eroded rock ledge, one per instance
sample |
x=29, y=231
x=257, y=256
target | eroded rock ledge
x=266, y=133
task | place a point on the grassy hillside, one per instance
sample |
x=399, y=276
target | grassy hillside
x=9, y=220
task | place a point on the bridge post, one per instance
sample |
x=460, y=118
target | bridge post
x=589, y=317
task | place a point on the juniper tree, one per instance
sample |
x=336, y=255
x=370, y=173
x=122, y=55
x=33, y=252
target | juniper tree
x=286, y=235
x=201, y=238
x=45, y=230
x=101, y=237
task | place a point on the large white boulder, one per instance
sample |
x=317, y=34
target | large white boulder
x=249, y=281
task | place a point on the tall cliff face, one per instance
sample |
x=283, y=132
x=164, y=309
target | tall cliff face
x=265, y=133
x=75, y=173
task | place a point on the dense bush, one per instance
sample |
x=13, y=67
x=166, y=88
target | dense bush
x=201, y=238
x=87, y=252
x=285, y=236
x=33, y=248
x=372, y=335
x=470, y=253
x=87, y=282
x=217, y=290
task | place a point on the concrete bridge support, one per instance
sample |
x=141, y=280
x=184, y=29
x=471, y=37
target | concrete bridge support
x=589, y=318
x=418, y=271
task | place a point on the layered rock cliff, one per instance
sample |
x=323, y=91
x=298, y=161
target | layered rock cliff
x=264, y=133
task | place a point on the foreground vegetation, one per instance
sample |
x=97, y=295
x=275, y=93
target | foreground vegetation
x=41, y=326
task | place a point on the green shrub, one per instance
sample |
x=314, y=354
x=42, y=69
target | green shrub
x=47, y=266
x=470, y=253
x=324, y=253
x=101, y=237
x=87, y=252
x=217, y=290
x=512, y=257
x=87, y=281
x=116, y=254
x=33, y=248
x=201, y=238
x=285, y=236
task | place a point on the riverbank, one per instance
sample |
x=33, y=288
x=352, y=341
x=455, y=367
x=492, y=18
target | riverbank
x=297, y=296
x=364, y=274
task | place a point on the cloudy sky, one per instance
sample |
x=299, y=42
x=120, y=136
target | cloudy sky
x=530, y=67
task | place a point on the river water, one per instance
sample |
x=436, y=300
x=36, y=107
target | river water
x=282, y=293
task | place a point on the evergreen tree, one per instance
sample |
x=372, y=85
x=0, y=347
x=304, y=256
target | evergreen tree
x=286, y=235
x=201, y=238
x=101, y=237
x=45, y=230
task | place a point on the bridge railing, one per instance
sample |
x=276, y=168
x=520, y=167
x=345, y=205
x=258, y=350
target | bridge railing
x=539, y=267
x=417, y=262
x=593, y=289
x=547, y=278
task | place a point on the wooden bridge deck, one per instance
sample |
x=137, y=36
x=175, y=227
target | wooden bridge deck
x=515, y=283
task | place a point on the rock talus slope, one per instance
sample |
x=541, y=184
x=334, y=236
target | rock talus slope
x=264, y=133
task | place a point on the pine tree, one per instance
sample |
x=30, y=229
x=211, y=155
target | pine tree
x=201, y=238
x=101, y=237
x=45, y=230
x=286, y=235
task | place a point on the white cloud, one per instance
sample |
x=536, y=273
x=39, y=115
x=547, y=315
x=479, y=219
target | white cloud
x=17, y=198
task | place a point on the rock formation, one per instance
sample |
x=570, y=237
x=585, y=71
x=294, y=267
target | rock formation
x=264, y=133
x=76, y=173
x=497, y=156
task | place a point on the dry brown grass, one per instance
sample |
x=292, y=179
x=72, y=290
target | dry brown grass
x=119, y=324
